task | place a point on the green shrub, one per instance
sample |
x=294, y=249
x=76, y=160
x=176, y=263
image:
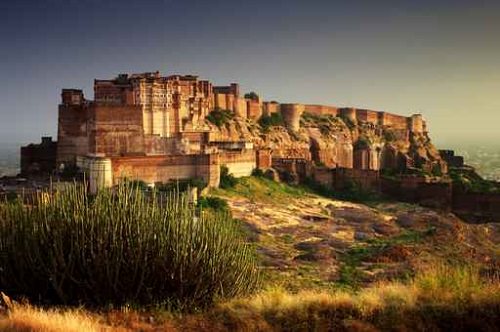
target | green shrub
x=122, y=246
x=257, y=172
x=362, y=143
x=70, y=172
x=214, y=203
x=472, y=182
x=389, y=135
x=252, y=95
x=220, y=117
x=275, y=119
x=182, y=185
x=227, y=180
x=352, y=191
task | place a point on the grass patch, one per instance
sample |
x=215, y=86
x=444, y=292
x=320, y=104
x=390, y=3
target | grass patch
x=350, y=275
x=470, y=181
x=214, y=204
x=352, y=192
x=261, y=189
x=425, y=303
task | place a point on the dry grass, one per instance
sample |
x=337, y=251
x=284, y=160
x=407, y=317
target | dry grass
x=440, y=299
x=29, y=318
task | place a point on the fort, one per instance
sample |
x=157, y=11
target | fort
x=158, y=129
x=154, y=128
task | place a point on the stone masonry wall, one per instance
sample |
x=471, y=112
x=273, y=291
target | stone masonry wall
x=321, y=110
x=240, y=163
x=72, y=135
x=152, y=169
x=291, y=115
x=116, y=130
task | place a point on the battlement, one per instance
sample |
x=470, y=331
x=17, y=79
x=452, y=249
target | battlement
x=414, y=123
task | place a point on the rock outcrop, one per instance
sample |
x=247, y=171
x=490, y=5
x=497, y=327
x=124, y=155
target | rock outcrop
x=337, y=141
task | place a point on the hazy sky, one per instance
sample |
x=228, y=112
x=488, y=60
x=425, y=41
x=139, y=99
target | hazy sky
x=440, y=58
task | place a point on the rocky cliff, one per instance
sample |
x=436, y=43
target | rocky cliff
x=336, y=141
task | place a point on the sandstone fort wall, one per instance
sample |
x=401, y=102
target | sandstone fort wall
x=240, y=163
x=153, y=169
x=116, y=130
x=321, y=110
x=291, y=115
x=72, y=135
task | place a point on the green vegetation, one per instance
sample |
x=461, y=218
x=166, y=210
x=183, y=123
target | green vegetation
x=350, y=276
x=227, y=180
x=257, y=172
x=436, y=171
x=266, y=122
x=213, y=203
x=389, y=135
x=362, y=143
x=443, y=298
x=390, y=173
x=252, y=95
x=122, y=246
x=182, y=185
x=263, y=189
x=91, y=249
x=260, y=188
x=220, y=117
x=470, y=181
x=352, y=192
x=70, y=172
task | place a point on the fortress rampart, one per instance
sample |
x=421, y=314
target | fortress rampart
x=154, y=128
x=321, y=110
x=291, y=115
x=136, y=120
x=270, y=107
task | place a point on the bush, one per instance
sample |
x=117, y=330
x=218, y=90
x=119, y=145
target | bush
x=220, y=117
x=214, y=203
x=389, y=136
x=275, y=119
x=252, y=95
x=227, y=180
x=257, y=172
x=351, y=191
x=122, y=246
x=182, y=185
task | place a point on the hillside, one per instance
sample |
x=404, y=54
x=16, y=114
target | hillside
x=309, y=241
x=326, y=264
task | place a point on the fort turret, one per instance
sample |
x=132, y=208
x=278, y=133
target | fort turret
x=291, y=115
x=416, y=123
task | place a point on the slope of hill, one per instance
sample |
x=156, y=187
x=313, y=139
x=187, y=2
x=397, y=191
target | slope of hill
x=308, y=241
x=327, y=265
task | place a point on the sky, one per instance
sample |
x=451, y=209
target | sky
x=438, y=58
